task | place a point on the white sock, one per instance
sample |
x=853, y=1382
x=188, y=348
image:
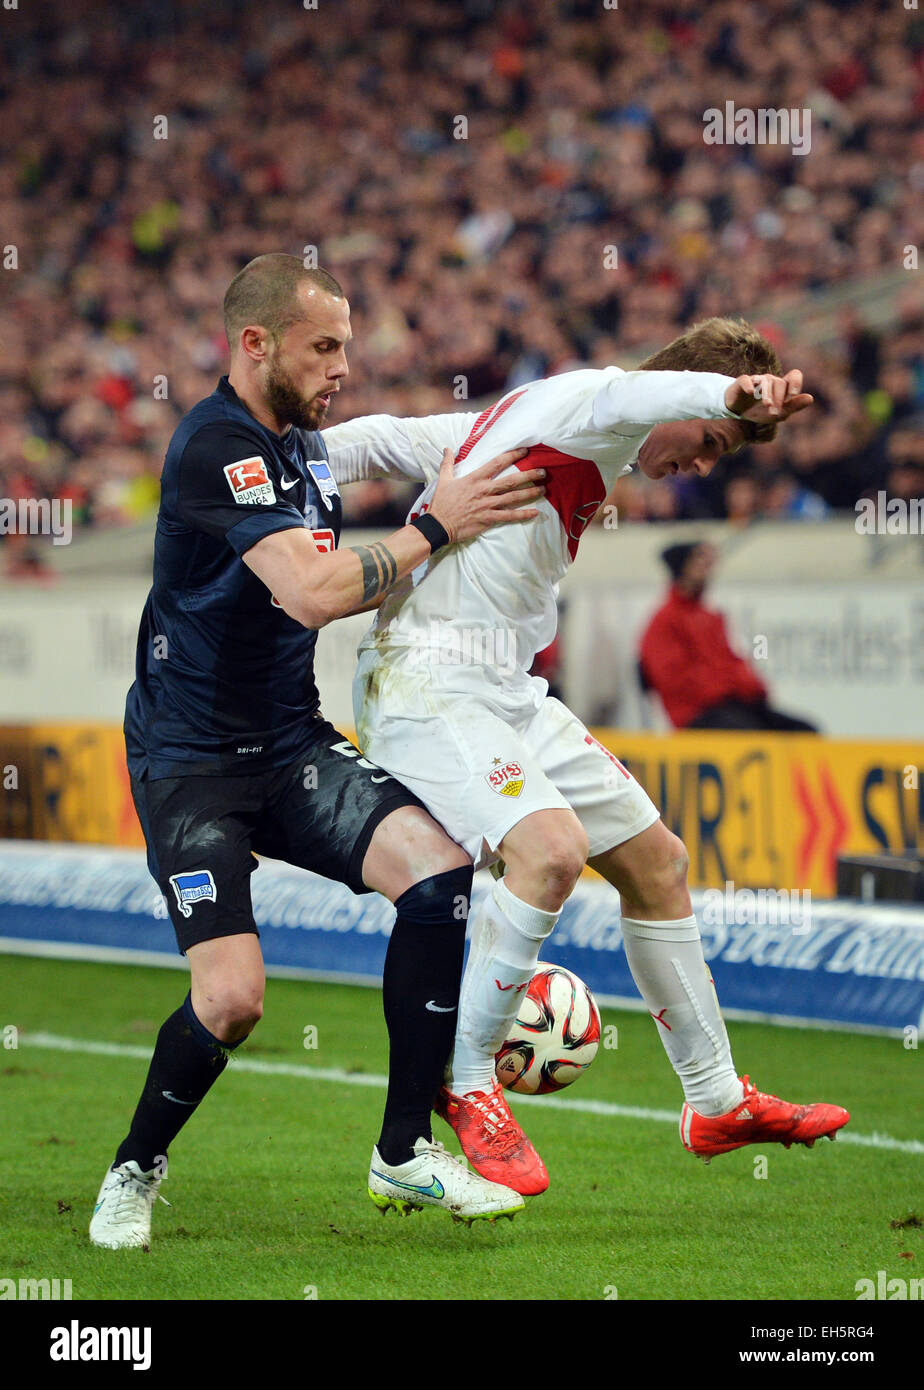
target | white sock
x=507, y=938
x=667, y=964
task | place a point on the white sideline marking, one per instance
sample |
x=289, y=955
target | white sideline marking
x=128, y=955
x=54, y=1043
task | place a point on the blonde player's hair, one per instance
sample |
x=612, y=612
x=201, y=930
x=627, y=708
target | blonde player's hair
x=729, y=346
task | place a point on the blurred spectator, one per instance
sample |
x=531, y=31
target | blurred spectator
x=786, y=500
x=474, y=259
x=685, y=656
x=742, y=499
x=377, y=505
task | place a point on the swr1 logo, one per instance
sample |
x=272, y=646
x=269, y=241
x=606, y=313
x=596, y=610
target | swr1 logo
x=325, y=542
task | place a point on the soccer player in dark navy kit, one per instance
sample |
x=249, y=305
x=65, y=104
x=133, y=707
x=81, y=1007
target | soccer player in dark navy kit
x=229, y=753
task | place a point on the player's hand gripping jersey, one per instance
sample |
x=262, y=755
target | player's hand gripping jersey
x=585, y=428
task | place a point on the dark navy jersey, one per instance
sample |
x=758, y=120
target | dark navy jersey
x=224, y=678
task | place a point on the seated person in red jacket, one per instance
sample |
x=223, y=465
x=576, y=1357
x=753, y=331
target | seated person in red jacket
x=686, y=656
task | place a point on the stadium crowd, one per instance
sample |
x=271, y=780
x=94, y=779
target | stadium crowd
x=466, y=171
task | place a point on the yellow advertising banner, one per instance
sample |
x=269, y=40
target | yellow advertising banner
x=776, y=810
x=758, y=810
x=66, y=782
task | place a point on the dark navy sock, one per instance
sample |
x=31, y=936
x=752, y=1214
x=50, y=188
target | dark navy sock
x=187, y=1061
x=420, y=992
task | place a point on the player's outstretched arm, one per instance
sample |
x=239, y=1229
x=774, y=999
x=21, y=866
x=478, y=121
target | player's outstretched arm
x=383, y=446
x=658, y=397
x=315, y=587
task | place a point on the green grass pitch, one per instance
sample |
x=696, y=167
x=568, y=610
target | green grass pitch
x=267, y=1182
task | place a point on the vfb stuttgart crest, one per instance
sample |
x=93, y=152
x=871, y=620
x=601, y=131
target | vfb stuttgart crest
x=506, y=779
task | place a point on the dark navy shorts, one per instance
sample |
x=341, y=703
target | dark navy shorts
x=202, y=832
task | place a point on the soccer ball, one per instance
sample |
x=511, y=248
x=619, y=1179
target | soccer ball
x=555, y=1036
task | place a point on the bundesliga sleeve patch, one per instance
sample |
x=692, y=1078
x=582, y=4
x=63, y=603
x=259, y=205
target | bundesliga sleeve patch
x=250, y=482
x=506, y=780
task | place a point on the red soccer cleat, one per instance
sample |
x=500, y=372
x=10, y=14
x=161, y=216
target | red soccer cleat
x=758, y=1119
x=492, y=1141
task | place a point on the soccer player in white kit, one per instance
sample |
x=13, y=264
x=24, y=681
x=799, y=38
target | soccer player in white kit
x=443, y=701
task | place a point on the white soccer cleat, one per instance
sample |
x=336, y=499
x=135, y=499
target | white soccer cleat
x=122, y=1215
x=436, y=1178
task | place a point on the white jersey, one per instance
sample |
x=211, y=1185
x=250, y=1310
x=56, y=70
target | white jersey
x=480, y=611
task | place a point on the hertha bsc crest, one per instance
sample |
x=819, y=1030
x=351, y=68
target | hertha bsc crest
x=194, y=887
x=507, y=780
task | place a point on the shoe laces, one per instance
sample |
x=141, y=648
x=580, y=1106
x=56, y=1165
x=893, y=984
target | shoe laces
x=798, y=1112
x=752, y=1094
x=435, y=1144
x=135, y=1190
x=443, y=1152
x=495, y=1111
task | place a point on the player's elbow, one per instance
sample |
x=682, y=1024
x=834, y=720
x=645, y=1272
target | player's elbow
x=311, y=612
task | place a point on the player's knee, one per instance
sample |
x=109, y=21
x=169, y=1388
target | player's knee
x=442, y=898
x=667, y=880
x=235, y=1010
x=565, y=863
x=677, y=862
x=246, y=1007
x=408, y=848
x=558, y=856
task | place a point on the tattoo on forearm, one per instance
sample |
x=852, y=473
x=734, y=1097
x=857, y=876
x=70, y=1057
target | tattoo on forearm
x=380, y=568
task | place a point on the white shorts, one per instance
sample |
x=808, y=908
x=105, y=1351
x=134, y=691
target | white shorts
x=479, y=771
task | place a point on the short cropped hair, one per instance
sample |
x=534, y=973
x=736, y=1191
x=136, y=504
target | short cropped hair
x=264, y=292
x=729, y=346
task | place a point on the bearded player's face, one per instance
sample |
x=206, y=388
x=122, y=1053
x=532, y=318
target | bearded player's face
x=304, y=371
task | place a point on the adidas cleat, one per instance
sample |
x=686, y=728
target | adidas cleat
x=122, y=1215
x=492, y=1141
x=436, y=1178
x=758, y=1119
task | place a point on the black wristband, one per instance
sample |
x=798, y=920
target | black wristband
x=434, y=531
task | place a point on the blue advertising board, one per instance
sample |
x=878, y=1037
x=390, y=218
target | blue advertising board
x=839, y=964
